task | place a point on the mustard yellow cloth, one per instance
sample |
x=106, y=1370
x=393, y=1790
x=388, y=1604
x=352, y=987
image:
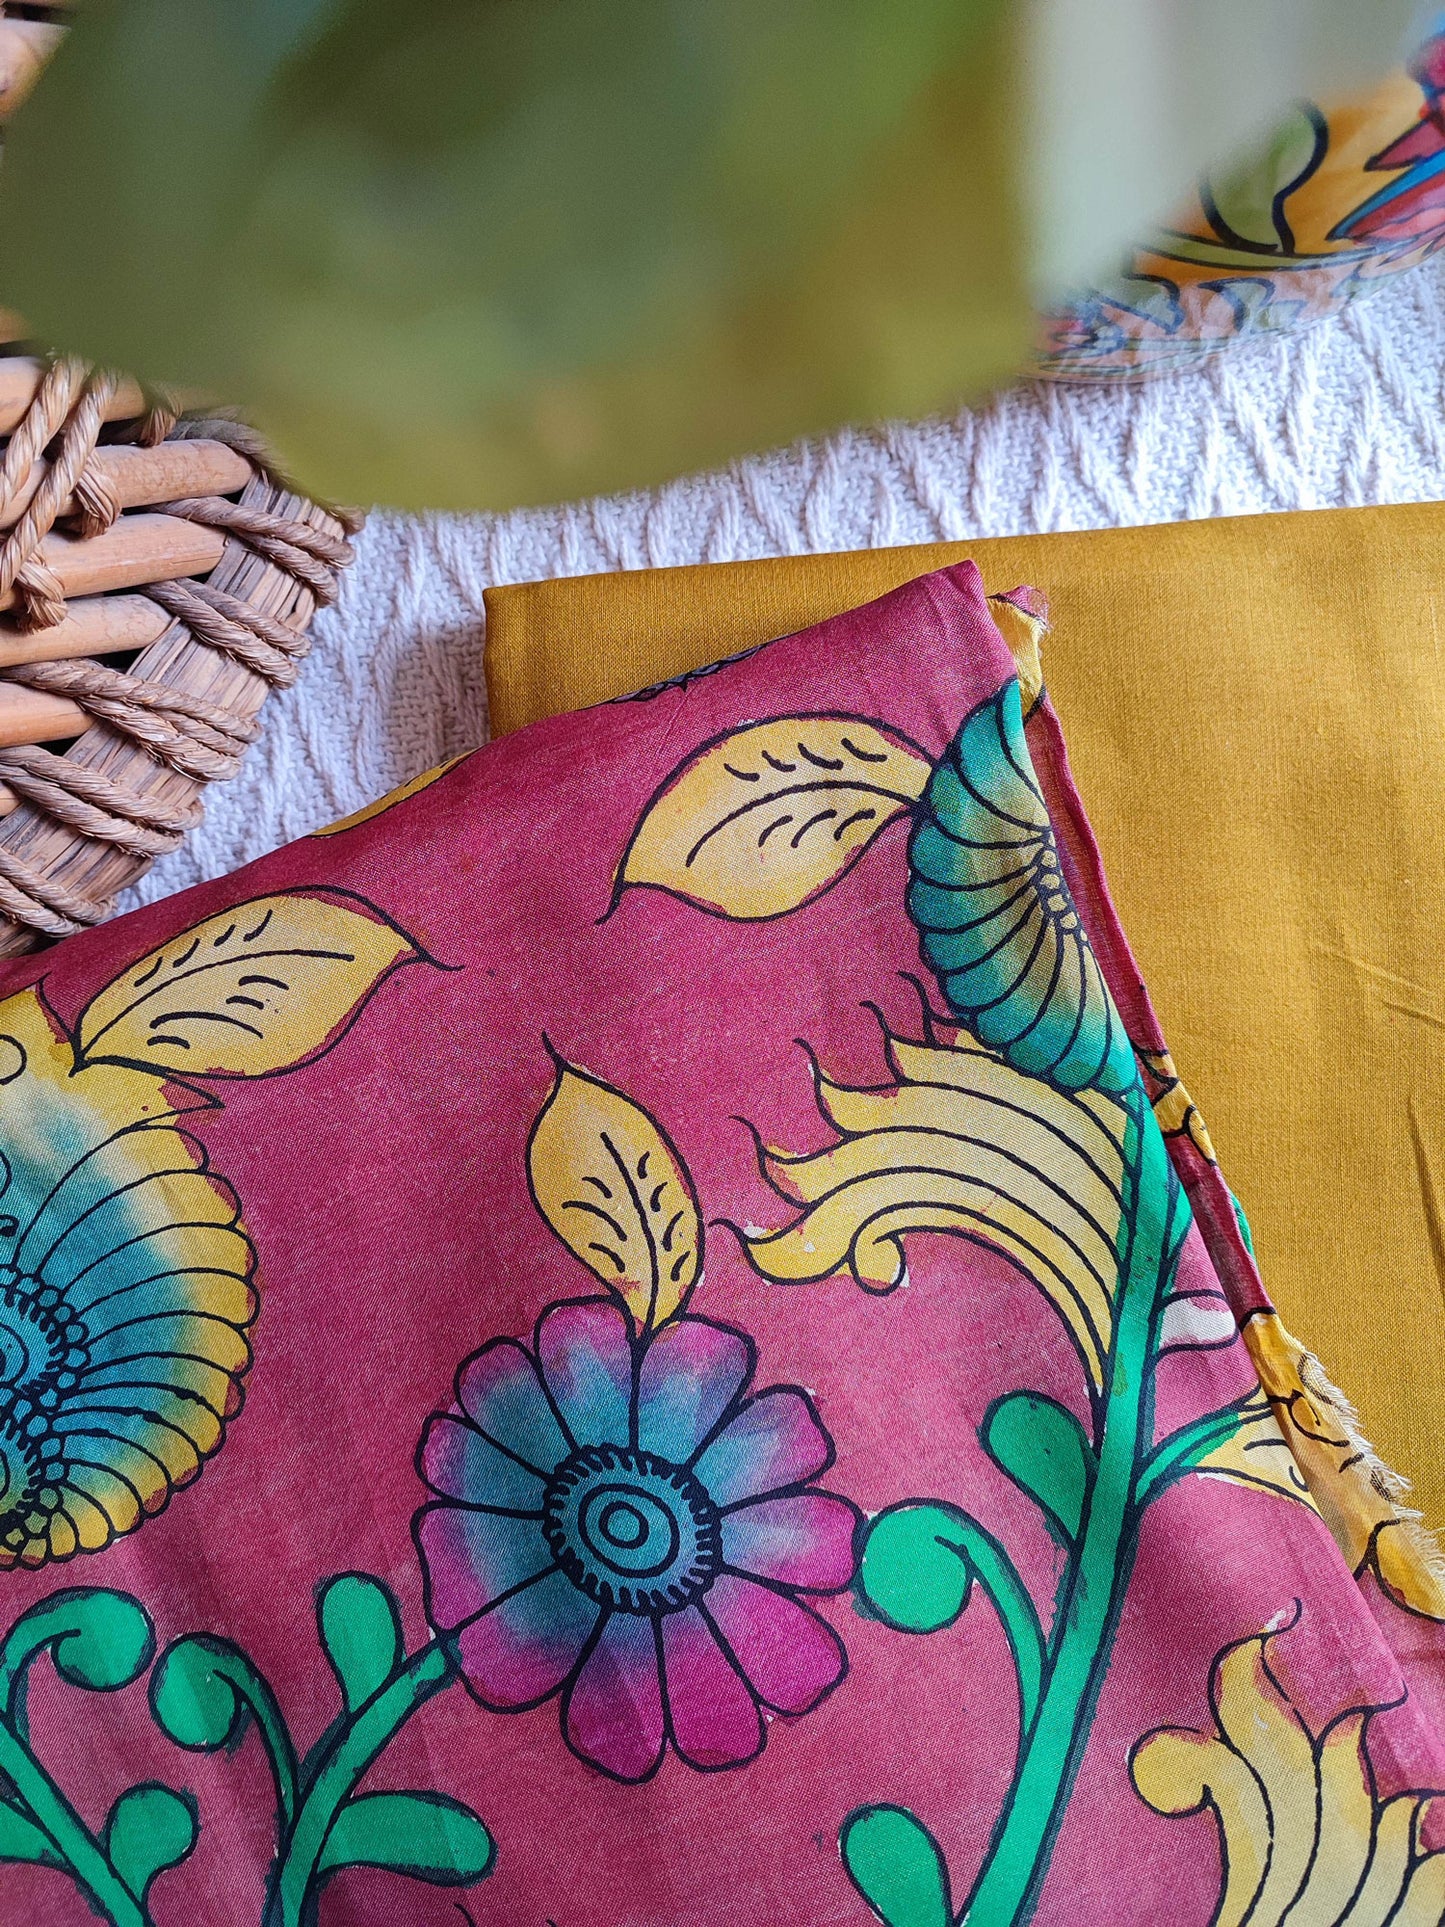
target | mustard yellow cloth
x=1256, y=715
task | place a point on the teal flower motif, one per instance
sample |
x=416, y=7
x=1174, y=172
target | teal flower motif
x=995, y=917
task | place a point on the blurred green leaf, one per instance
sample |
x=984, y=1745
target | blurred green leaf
x=479, y=254
x=449, y=253
x=1130, y=102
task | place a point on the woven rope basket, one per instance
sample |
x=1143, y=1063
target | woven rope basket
x=156, y=580
x=157, y=576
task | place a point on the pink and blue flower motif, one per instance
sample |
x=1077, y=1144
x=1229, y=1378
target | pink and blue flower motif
x=619, y=1521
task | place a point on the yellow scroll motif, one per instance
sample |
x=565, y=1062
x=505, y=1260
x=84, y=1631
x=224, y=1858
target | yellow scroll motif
x=1300, y=1438
x=1358, y=1498
x=1304, y=1835
x=1024, y=632
x=961, y=1143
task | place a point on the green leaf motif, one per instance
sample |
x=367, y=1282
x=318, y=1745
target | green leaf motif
x=1195, y=1444
x=150, y=1828
x=915, y=1573
x=995, y=916
x=1044, y=1450
x=194, y=1699
x=426, y=1835
x=21, y=1839
x=920, y=1562
x=203, y=1694
x=895, y=1863
x=360, y=1629
x=98, y=1639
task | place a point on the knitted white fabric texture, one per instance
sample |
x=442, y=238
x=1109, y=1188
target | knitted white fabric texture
x=1350, y=411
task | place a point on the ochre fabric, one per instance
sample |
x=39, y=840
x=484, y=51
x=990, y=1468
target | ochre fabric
x=1256, y=719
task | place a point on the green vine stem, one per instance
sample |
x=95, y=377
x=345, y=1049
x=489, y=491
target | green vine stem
x=351, y=1750
x=1093, y=1590
x=183, y=1701
x=1184, y=1449
x=73, y=1840
x=902, y=1585
x=994, y=1571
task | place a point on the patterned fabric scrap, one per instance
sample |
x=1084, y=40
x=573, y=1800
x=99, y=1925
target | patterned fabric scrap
x=646, y=1333
x=1338, y=197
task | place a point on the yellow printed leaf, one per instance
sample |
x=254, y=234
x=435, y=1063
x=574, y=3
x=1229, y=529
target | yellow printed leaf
x=611, y=1185
x=1304, y=1836
x=765, y=818
x=1258, y=1453
x=391, y=799
x=961, y=1143
x=255, y=989
x=1301, y=1438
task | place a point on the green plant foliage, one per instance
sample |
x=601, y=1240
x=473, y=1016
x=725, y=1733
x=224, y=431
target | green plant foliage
x=21, y=1839
x=916, y=1573
x=462, y=254
x=150, y=1828
x=97, y=1639
x=895, y=1863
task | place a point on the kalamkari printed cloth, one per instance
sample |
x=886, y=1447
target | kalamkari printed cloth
x=646, y=1335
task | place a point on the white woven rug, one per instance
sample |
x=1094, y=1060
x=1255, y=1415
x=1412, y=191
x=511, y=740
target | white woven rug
x=1350, y=411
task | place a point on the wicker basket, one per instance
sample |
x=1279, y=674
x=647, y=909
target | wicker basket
x=156, y=579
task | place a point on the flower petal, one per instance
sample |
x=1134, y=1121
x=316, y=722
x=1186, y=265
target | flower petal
x=586, y=1358
x=691, y=1373
x=775, y=1440
x=472, y=1558
x=789, y=1654
x=712, y=1716
x=613, y=1713
x=804, y=1540
x=458, y=1463
x=519, y=1651
x=500, y=1392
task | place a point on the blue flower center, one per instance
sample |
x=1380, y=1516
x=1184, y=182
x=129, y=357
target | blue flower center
x=30, y=1467
x=1049, y=882
x=633, y=1531
x=42, y=1349
x=42, y=1343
